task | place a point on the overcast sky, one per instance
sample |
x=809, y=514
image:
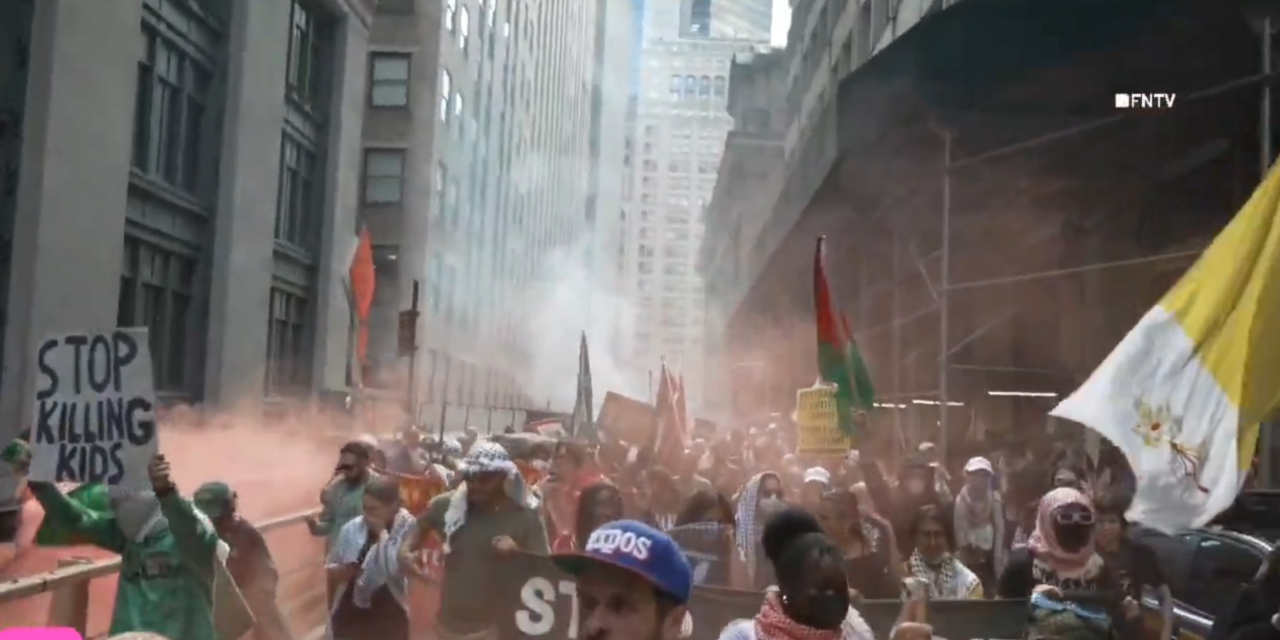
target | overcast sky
x=781, y=22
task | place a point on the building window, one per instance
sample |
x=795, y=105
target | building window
x=690, y=86
x=169, y=114
x=441, y=183
x=288, y=362
x=157, y=290
x=446, y=89
x=383, y=176
x=390, y=80
x=722, y=86
x=306, y=64
x=464, y=28
x=704, y=87
x=677, y=82
x=296, y=201
x=450, y=10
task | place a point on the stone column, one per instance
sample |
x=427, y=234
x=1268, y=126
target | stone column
x=68, y=240
x=342, y=198
x=244, y=232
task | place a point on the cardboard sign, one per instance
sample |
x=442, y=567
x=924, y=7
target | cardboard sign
x=626, y=419
x=94, y=409
x=817, y=425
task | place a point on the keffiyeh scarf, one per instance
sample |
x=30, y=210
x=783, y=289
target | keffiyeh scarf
x=746, y=528
x=486, y=456
x=379, y=567
x=772, y=623
x=943, y=579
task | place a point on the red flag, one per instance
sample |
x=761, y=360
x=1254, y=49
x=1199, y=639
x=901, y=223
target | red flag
x=668, y=430
x=362, y=286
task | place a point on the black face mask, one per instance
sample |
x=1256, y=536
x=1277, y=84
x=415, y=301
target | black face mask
x=825, y=611
x=1073, y=537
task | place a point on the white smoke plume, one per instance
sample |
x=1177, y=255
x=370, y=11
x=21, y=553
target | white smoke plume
x=568, y=297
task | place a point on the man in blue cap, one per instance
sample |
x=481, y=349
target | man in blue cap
x=633, y=583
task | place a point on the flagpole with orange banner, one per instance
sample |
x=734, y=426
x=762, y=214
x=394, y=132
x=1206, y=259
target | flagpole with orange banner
x=363, y=284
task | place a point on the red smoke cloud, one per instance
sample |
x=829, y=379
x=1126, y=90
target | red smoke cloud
x=278, y=469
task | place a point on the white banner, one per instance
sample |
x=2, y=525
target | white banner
x=95, y=409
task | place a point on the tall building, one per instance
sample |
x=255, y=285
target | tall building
x=191, y=167
x=679, y=136
x=494, y=166
x=741, y=19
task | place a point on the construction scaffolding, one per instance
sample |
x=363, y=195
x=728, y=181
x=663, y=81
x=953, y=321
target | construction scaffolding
x=942, y=293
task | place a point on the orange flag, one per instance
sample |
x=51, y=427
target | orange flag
x=362, y=287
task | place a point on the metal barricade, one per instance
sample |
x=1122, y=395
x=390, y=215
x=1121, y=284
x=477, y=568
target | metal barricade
x=298, y=557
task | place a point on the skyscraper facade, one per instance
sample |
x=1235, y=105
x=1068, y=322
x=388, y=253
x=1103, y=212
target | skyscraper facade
x=190, y=167
x=680, y=128
x=474, y=187
x=741, y=19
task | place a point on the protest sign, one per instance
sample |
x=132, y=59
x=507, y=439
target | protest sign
x=817, y=424
x=546, y=606
x=95, y=409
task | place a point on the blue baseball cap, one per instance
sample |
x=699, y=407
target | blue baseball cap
x=638, y=548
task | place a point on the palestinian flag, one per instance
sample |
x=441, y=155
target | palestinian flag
x=833, y=362
x=864, y=395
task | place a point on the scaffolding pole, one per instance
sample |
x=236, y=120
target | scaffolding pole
x=1264, y=78
x=896, y=333
x=944, y=307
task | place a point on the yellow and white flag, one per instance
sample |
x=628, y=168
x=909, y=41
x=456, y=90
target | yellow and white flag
x=1183, y=394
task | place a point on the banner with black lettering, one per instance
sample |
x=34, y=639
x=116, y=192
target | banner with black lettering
x=708, y=547
x=546, y=607
x=94, y=409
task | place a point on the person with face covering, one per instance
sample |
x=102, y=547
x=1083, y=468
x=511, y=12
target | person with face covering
x=249, y=562
x=370, y=587
x=866, y=545
x=488, y=517
x=934, y=562
x=704, y=529
x=811, y=600
x=1058, y=566
x=762, y=497
x=342, y=499
x=169, y=553
x=979, y=521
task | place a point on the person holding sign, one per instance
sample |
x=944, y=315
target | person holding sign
x=633, y=583
x=168, y=552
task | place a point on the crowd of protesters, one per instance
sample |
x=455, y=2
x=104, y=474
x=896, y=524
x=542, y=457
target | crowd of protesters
x=814, y=536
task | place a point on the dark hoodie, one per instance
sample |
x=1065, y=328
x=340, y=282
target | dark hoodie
x=898, y=506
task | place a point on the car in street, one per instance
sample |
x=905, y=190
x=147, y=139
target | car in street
x=1207, y=567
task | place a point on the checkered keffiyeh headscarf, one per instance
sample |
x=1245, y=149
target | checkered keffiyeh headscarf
x=486, y=456
x=746, y=528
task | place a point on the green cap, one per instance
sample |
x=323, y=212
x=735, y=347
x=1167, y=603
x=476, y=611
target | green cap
x=213, y=498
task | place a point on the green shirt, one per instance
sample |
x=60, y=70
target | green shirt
x=342, y=502
x=472, y=568
x=165, y=584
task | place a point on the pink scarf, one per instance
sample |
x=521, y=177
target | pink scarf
x=1043, y=541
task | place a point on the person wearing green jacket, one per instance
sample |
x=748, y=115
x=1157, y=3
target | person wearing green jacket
x=168, y=552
